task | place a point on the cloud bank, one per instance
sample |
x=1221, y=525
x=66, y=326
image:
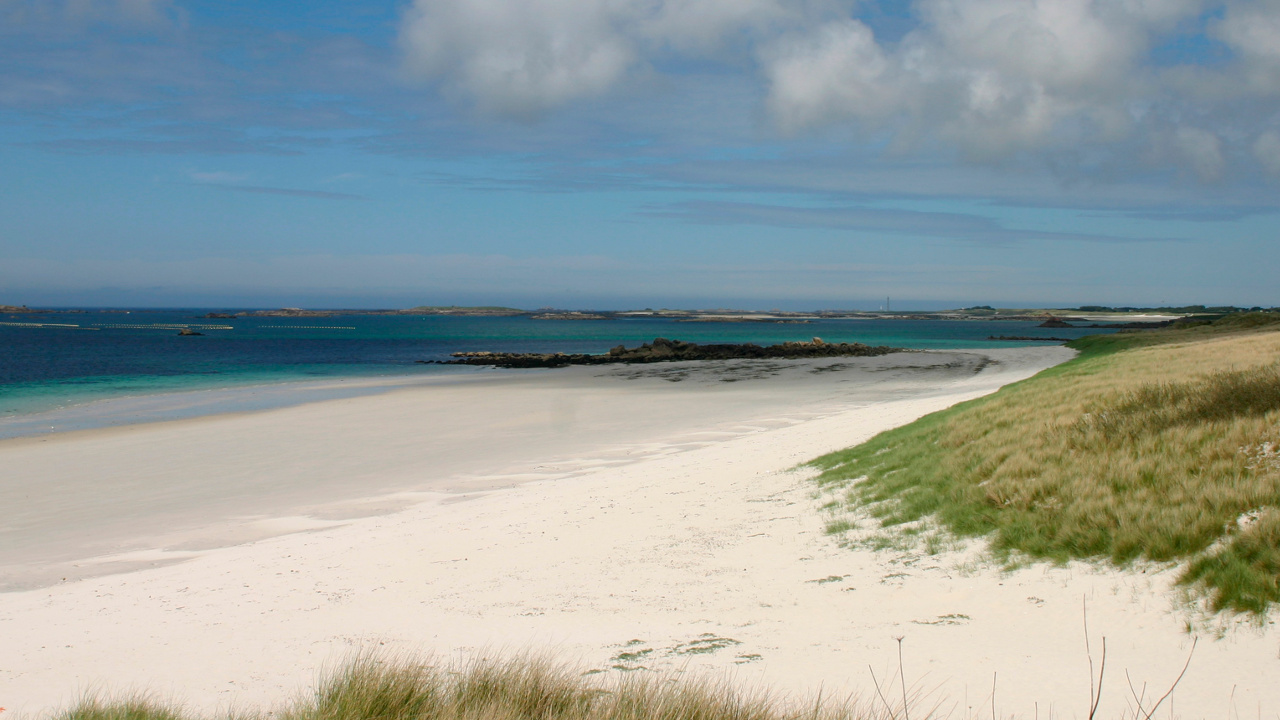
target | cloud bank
x=523, y=58
x=1188, y=85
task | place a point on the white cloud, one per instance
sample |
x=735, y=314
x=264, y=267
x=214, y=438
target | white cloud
x=521, y=58
x=834, y=73
x=1250, y=26
x=993, y=79
x=1059, y=45
x=992, y=76
x=998, y=78
x=515, y=57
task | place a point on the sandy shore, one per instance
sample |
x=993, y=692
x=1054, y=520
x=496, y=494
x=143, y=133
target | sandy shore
x=586, y=513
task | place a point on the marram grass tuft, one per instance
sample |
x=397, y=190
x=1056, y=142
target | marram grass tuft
x=377, y=687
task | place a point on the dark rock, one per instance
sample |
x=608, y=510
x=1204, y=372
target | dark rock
x=189, y=331
x=1054, y=322
x=664, y=350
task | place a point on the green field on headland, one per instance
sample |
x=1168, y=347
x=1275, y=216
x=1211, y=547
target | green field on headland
x=1159, y=445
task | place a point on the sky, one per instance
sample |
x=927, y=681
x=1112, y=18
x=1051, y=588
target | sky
x=792, y=154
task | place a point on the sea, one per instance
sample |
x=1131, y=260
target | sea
x=87, y=368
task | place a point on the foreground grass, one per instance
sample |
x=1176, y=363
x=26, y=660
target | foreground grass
x=372, y=688
x=1161, y=445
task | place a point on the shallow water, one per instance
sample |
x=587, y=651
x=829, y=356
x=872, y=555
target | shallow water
x=128, y=409
x=76, y=370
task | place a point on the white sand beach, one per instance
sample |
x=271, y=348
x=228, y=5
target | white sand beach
x=583, y=513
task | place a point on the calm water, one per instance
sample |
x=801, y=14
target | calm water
x=72, y=360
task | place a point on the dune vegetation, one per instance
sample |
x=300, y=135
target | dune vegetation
x=1158, y=445
x=380, y=688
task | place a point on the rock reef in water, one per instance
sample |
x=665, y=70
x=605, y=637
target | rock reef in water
x=664, y=350
x=1054, y=322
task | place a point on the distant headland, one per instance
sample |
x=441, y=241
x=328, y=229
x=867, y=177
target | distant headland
x=1083, y=316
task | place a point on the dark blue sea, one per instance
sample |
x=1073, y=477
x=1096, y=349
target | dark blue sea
x=57, y=369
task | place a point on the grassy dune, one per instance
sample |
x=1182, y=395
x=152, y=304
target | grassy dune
x=371, y=688
x=1161, y=445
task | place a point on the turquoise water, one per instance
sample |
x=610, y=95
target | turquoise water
x=63, y=361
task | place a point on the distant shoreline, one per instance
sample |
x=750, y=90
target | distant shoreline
x=1069, y=315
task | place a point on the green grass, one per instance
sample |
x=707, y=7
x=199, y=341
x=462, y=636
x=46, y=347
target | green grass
x=1148, y=445
x=378, y=688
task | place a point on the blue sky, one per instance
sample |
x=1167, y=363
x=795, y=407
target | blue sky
x=639, y=153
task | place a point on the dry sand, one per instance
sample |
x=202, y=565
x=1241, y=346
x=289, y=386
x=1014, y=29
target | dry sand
x=608, y=517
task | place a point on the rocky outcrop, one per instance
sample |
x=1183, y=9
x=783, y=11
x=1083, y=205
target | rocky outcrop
x=219, y=316
x=1054, y=322
x=664, y=350
x=188, y=332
